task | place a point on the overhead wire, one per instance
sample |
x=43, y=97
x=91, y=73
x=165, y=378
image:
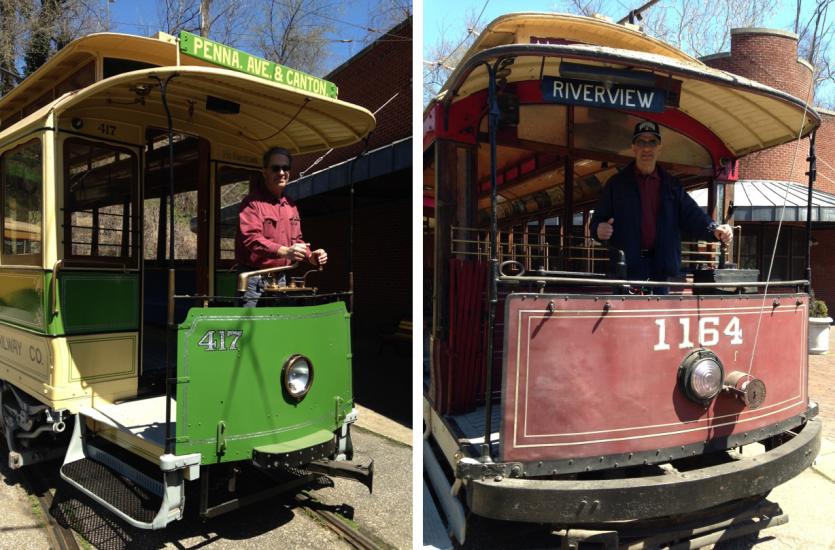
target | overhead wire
x=780, y=221
x=304, y=172
x=470, y=31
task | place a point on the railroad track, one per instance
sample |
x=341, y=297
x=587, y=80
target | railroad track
x=347, y=531
x=60, y=538
x=41, y=483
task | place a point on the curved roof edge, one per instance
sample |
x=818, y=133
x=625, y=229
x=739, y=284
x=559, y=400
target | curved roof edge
x=159, y=50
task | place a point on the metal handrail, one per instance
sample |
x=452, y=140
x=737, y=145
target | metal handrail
x=625, y=282
x=243, y=278
x=53, y=290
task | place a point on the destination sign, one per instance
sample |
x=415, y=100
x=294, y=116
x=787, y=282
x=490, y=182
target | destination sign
x=597, y=94
x=237, y=60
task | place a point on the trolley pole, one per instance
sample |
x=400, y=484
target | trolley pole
x=636, y=13
x=812, y=173
x=493, y=272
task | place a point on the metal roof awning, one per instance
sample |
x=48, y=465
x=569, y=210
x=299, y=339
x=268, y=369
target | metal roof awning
x=379, y=162
x=762, y=201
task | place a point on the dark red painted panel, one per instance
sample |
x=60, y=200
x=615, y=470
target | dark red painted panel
x=581, y=382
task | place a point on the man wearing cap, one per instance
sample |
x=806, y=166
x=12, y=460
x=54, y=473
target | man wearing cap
x=643, y=210
x=269, y=230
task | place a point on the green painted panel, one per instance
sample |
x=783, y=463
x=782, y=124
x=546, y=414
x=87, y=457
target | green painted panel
x=230, y=363
x=226, y=283
x=98, y=301
x=22, y=298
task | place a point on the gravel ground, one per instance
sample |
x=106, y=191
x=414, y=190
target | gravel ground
x=387, y=513
x=21, y=525
x=274, y=523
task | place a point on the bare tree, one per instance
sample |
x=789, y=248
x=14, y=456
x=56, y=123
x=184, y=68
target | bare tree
x=295, y=32
x=10, y=29
x=225, y=21
x=46, y=26
x=692, y=26
x=585, y=7
x=179, y=15
x=441, y=58
x=695, y=26
x=816, y=45
x=386, y=14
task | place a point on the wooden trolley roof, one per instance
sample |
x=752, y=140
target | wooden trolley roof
x=744, y=115
x=270, y=113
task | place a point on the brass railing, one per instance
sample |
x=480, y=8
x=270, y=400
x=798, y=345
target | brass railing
x=536, y=249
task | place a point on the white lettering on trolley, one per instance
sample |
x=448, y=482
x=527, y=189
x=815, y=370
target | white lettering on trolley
x=709, y=334
x=217, y=340
x=598, y=93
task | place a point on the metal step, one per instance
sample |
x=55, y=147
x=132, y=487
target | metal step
x=142, y=500
x=110, y=486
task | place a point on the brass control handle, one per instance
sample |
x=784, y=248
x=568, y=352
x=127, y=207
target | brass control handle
x=243, y=278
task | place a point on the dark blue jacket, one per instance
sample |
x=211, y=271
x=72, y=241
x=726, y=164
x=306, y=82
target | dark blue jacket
x=678, y=214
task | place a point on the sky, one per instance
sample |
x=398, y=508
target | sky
x=140, y=17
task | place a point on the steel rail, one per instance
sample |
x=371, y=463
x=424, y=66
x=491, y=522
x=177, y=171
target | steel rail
x=60, y=537
x=333, y=521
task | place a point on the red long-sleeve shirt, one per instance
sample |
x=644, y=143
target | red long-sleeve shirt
x=264, y=224
x=649, y=186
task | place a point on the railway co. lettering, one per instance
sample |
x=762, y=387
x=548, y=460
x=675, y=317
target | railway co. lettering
x=706, y=333
x=220, y=340
x=10, y=345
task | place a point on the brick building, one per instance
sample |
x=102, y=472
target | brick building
x=770, y=56
x=378, y=78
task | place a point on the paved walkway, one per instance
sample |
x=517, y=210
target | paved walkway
x=808, y=499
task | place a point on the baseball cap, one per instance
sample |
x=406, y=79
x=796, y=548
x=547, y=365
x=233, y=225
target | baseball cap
x=646, y=127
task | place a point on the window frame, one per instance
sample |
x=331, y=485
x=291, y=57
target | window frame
x=131, y=262
x=28, y=260
x=226, y=263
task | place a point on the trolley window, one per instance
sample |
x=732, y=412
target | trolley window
x=21, y=173
x=156, y=205
x=234, y=184
x=101, y=187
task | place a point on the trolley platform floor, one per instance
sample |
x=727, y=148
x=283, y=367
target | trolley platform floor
x=470, y=426
x=142, y=418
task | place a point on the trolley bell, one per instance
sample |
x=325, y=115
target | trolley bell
x=746, y=388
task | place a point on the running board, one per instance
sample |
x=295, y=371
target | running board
x=133, y=496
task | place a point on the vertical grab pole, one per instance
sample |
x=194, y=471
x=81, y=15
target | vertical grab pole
x=493, y=272
x=171, y=275
x=812, y=173
x=351, y=225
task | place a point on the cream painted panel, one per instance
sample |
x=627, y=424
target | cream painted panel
x=96, y=357
x=103, y=128
x=24, y=357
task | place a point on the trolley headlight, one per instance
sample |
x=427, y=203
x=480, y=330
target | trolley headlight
x=700, y=376
x=297, y=376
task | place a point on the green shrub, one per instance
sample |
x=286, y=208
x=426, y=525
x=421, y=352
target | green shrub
x=818, y=309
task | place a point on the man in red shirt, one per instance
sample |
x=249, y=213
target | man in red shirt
x=644, y=211
x=269, y=229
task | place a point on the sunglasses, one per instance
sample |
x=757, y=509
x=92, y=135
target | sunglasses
x=651, y=143
x=280, y=167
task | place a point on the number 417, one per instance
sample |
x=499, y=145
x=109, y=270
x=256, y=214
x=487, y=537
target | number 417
x=220, y=340
x=708, y=332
